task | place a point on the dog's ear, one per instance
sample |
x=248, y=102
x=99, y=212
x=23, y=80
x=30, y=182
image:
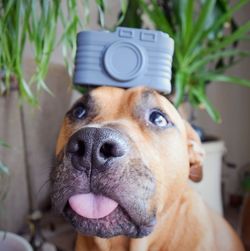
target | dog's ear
x=195, y=152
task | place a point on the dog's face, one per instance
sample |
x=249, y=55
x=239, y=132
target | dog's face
x=123, y=158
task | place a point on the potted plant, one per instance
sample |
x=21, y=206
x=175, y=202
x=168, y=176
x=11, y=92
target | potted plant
x=34, y=24
x=13, y=242
x=206, y=36
x=206, y=39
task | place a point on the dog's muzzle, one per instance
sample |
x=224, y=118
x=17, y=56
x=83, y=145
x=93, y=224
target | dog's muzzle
x=102, y=186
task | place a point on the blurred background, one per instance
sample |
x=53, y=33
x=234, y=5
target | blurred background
x=210, y=82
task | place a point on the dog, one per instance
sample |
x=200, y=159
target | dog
x=123, y=161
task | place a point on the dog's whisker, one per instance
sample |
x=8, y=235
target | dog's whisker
x=44, y=185
x=161, y=183
x=63, y=188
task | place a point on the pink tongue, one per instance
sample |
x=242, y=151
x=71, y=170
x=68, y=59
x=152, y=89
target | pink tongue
x=92, y=206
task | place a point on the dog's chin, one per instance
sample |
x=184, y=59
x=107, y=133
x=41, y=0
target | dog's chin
x=118, y=222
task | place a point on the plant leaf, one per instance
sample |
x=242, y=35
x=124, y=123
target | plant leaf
x=230, y=39
x=101, y=10
x=224, y=78
x=219, y=44
x=187, y=22
x=133, y=16
x=213, y=113
x=124, y=7
x=157, y=16
x=26, y=92
x=4, y=144
x=86, y=14
x=81, y=89
x=180, y=83
x=199, y=26
x=224, y=18
x=4, y=169
x=218, y=55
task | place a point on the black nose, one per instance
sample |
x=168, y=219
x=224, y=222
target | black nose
x=95, y=147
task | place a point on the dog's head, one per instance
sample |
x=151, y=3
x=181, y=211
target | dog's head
x=123, y=158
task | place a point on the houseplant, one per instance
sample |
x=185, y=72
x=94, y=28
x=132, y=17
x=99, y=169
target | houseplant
x=206, y=38
x=35, y=23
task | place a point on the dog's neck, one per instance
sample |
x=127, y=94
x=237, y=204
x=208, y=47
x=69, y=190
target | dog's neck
x=178, y=221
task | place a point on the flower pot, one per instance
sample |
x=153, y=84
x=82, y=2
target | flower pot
x=210, y=186
x=13, y=242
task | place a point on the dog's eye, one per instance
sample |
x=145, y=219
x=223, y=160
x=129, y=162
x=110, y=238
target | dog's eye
x=159, y=119
x=79, y=112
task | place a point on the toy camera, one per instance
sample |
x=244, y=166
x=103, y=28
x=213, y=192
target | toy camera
x=125, y=58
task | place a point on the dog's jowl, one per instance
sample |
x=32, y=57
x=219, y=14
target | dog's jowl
x=124, y=158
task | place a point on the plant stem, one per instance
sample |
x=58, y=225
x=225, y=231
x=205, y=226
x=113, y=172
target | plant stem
x=26, y=160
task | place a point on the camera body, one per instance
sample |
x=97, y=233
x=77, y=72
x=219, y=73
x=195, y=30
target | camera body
x=124, y=58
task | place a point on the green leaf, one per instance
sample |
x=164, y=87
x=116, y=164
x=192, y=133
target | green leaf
x=186, y=10
x=200, y=23
x=101, y=9
x=194, y=101
x=223, y=4
x=4, y=169
x=188, y=24
x=80, y=89
x=43, y=85
x=230, y=39
x=218, y=55
x=86, y=14
x=223, y=78
x=217, y=12
x=4, y=144
x=180, y=83
x=218, y=44
x=26, y=92
x=224, y=18
x=133, y=16
x=68, y=38
x=101, y=4
x=157, y=16
x=213, y=113
x=124, y=7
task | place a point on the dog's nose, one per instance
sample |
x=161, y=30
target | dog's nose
x=94, y=147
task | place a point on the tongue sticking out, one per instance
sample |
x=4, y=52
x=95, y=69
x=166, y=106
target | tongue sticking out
x=92, y=206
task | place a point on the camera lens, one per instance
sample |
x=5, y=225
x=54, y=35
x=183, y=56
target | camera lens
x=124, y=60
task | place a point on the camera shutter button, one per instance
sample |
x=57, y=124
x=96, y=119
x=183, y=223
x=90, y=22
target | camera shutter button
x=123, y=60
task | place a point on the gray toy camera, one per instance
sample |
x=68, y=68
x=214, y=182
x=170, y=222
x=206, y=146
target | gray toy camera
x=124, y=58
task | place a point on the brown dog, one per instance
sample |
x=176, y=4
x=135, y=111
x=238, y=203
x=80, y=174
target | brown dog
x=123, y=162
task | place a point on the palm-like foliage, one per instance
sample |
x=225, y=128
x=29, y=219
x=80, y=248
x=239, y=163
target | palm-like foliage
x=36, y=22
x=206, y=38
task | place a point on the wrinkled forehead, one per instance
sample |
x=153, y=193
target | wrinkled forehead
x=112, y=103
